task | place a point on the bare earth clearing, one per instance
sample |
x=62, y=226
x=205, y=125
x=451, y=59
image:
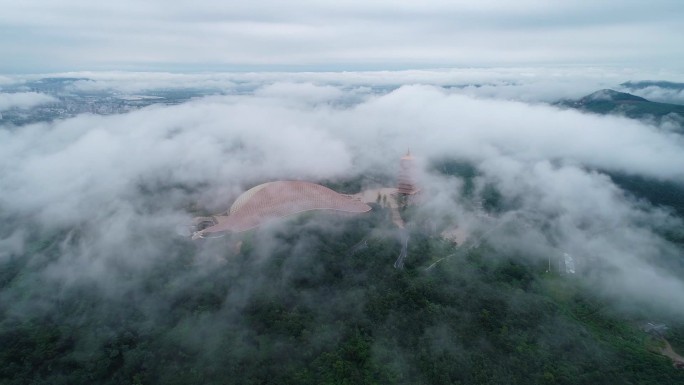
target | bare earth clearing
x=678, y=361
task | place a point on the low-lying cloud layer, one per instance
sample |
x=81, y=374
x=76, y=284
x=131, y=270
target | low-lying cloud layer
x=24, y=100
x=117, y=185
x=658, y=93
x=530, y=84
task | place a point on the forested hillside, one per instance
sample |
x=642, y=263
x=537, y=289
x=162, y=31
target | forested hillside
x=327, y=307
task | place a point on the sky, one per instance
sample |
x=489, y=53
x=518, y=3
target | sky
x=40, y=36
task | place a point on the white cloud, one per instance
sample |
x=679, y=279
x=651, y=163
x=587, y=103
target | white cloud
x=122, y=178
x=531, y=84
x=24, y=100
x=300, y=92
x=658, y=94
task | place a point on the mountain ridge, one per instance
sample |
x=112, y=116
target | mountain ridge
x=609, y=101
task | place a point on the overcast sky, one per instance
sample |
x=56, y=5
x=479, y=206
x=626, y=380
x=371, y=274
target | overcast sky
x=208, y=35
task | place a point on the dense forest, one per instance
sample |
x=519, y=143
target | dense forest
x=316, y=300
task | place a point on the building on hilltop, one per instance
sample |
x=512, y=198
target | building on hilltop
x=406, y=184
x=280, y=199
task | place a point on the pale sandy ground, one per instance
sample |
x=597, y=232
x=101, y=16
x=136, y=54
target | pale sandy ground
x=371, y=196
x=455, y=234
x=667, y=351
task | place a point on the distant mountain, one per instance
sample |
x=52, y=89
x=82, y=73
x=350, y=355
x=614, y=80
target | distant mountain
x=652, y=83
x=608, y=101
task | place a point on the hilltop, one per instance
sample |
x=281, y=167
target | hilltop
x=608, y=101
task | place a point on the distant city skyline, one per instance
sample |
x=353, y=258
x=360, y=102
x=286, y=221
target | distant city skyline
x=74, y=35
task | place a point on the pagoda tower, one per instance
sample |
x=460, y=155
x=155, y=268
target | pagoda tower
x=406, y=184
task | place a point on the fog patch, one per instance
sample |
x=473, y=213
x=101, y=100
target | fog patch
x=117, y=185
x=24, y=100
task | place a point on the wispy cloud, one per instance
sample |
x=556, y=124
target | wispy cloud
x=24, y=100
x=124, y=180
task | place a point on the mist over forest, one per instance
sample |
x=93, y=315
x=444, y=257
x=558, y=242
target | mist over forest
x=97, y=286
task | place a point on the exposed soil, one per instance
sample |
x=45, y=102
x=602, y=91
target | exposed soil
x=677, y=360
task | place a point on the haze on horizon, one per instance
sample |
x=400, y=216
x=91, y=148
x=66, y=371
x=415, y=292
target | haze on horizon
x=75, y=35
